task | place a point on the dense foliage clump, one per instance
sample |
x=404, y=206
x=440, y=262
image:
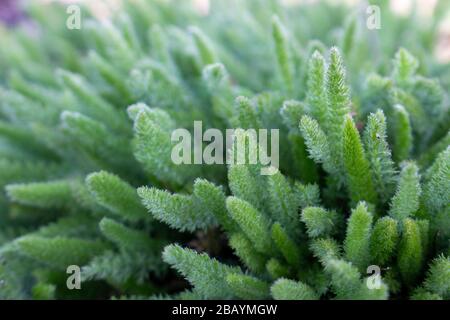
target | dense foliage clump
x=86, y=118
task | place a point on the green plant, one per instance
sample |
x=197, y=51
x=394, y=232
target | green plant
x=86, y=118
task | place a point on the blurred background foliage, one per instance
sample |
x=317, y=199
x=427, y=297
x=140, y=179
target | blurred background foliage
x=49, y=74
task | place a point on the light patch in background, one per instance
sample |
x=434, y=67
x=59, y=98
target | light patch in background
x=401, y=7
x=297, y=2
x=405, y=7
x=101, y=9
x=202, y=6
x=442, y=51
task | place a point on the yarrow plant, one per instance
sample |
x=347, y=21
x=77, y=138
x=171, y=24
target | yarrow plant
x=358, y=207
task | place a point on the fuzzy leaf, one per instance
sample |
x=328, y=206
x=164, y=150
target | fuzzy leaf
x=316, y=94
x=283, y=53
x=406, y=199
x=56, y=194
x=402, y=134
x=284, y=289
x=252, y=222
x=127, y=238
x=289, y=249
x=359, y=181
x=181, y=212
x=357, y=240
x=317, y=143
x=379, y=155
x=320, y=222
x=438, y=277
x=248, y=287
x=60, y=252
x=245, y=250
x=383, y=241
x=116, y=195
x=410, y=255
